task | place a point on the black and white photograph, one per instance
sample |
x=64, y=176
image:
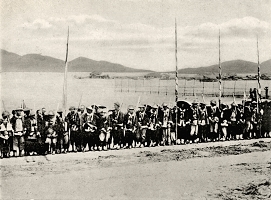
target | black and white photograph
x=135, y=99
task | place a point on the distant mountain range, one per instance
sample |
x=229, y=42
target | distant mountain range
x=11, y=62
x=231, y=67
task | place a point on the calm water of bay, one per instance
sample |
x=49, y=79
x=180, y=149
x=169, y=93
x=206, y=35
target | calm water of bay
x=45, y=90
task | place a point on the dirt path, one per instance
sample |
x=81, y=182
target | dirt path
x=199, y=171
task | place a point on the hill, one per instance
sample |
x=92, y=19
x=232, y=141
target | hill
x=83, y=64
x=266, y=67
x=11, y=62
x=231, y=67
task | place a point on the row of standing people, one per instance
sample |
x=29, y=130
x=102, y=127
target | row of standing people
x=93, y=128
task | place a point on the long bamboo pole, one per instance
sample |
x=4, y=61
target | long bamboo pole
x=176, y=81
x=65, y=79
x=219, y=76
x=258, y=77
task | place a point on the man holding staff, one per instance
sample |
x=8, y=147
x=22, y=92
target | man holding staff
x=117, y=126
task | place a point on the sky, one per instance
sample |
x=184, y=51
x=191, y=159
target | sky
x=139, y=33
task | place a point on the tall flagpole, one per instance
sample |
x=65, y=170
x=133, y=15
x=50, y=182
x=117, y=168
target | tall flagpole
x=176, y=78
x=65, y=79
x=220, y=75
x=258, y=77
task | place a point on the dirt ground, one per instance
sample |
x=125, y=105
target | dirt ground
x=221, y=170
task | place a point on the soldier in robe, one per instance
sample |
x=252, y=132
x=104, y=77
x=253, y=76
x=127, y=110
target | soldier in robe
x=117, y=118
x=182, y=118
x=165, y=120
x=51, y=134
x=152, y=133
x=62, y=133
x=172, y=137
x=266, y=119
x=234, y=116
x=130, y=125
x=41, y=124
x=18, y=142
x=73, y=128
x=255, y=120
x=193, y=114
x=109, y=137
x=90, y=121
x=103, y=128
x=240, y=123
x=224, y=119
x=203, y=123
x=142, y=125
x=80, y=132
x=213, y=114
x=6, y=132
x=32, y=145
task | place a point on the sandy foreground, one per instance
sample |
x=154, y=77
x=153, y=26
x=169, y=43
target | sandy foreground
x=221, y=170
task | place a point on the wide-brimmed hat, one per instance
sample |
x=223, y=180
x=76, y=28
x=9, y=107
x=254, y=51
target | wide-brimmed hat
x=82, y=107
x=60, y=110
x=213, y=102
x=26, y=109
x=19, y=109
x=130, y=107
x=50, y=113
x=141, y=106
x=89, y=108
x=233, y=104
x=117, y=104
x=101, y=106
x=154, y=106
x=5, y=114
x=195, y=102
x=72, y=108
x=102, y=109
x=164, y=105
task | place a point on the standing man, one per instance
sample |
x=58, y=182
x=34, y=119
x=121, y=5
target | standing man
x=6, y=132
x=117, y=126
x=152, y=137
x=182, y=118
x=130, y=123
x=194, y=122
x=165, y=122
x=43, y=111
x=203, y=123
x=255, y=120
x=19, y=132
x=248, y=123
x=41, y=137
x=213, y=114
x=73, y=128
x=142, y=125
x=79, y=121
x=90, y=121
x=240, y=123
x=234, y=116
x=266, y=120
x=62, y=134
x=109, y=136
x=224, y=119
x=31, y=138
x=51, y=134
x=103, y=130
